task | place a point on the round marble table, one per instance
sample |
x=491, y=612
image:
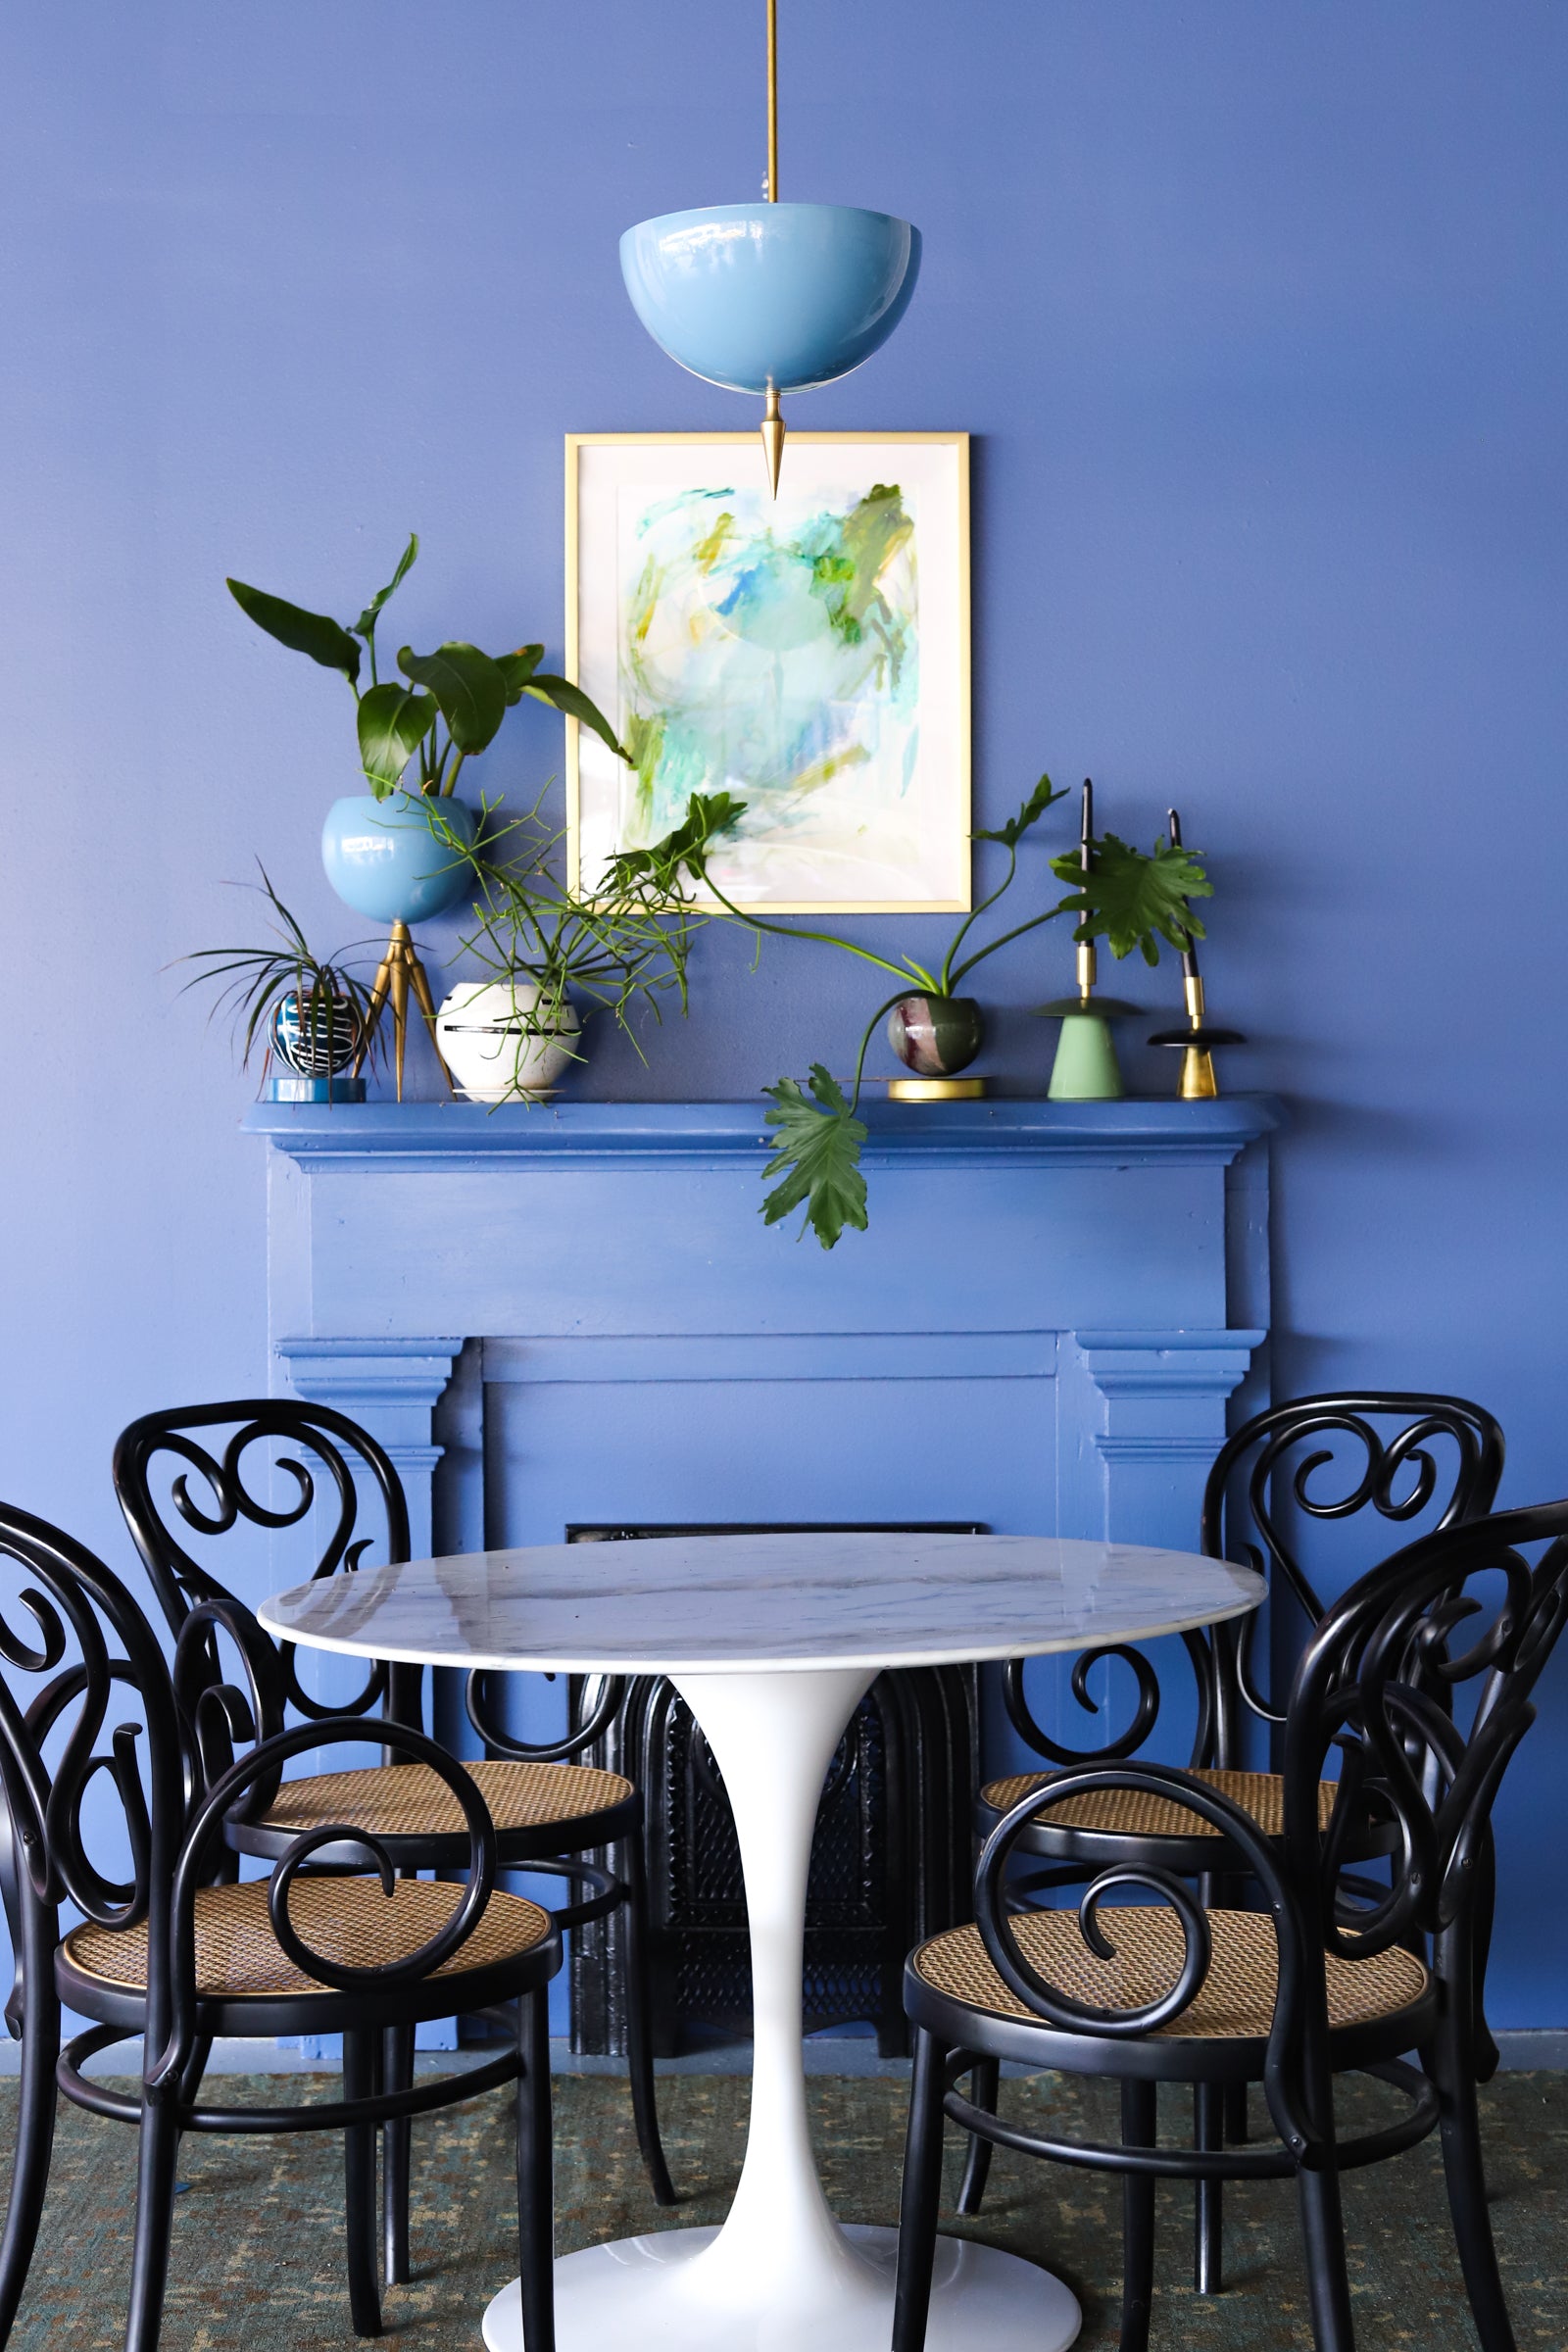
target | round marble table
x=772, y=1641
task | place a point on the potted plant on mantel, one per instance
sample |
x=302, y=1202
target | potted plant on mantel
x=312, y=1012
x=1117, y=892
x=382, y=855
x=510, y=1036
x=385, y=861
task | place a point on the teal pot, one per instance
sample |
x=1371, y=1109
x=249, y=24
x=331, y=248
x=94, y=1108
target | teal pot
x=315, y=1039
x=383, y=860
x=934, y=1036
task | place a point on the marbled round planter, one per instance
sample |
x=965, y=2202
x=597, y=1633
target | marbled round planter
x=315, y=1040
x=934, y=1036
x=490, y=1043
x=383, y=860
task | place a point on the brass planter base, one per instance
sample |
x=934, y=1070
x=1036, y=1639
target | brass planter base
x=399, y=971
x=935, y=1090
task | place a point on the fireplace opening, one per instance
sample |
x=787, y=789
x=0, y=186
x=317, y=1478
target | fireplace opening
x=891, y=1859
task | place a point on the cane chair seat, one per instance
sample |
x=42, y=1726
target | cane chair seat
x=1235, y=2001
x=412, y=1800
x=1145, y=1813
x=349, y=1921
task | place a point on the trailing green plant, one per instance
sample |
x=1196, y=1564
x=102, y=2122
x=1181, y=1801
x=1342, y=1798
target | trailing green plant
x=452, y=704
x=630, y=943
x=254, y=982
x=1130, y=899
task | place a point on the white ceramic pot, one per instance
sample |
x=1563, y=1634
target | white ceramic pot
x=492, y=1042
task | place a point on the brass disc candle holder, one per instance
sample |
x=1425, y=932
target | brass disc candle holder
x=1196, y=1041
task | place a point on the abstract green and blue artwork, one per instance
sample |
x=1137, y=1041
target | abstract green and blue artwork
x=809, y=654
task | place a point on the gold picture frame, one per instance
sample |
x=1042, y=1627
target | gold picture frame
x=894, y=801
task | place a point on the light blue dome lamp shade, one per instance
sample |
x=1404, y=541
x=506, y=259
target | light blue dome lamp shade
x=771, y=298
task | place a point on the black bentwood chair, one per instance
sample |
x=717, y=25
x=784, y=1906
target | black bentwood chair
x=548, y=1811
x=1331, y=1972
x=1441, y=1453
x=180, y=1952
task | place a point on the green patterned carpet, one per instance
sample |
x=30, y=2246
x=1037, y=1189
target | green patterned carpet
x=257, y=2250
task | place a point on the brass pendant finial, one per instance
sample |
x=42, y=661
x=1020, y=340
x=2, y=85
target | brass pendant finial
x=773, y=440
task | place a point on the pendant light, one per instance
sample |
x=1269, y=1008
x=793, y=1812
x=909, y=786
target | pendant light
x=771, y=298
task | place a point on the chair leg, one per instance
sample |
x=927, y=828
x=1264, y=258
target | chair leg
x=397, y=2072
x=1233, y=2105
x=158, y=2155
x=360, y=2070
x=1487, y=2055
x=1452, y=2069
x=985, y=2084
x=1323, y=2239
x=1208, y=2237
x=639, y=2025
x=922, y=2193
x=1138, y=2119
x=35, y=2132
x=536, y=2206
x=191, y=2081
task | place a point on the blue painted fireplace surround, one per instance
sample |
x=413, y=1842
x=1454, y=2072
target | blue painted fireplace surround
x=577, y=1314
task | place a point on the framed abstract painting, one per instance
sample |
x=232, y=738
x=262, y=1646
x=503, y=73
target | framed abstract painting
x=809, y=657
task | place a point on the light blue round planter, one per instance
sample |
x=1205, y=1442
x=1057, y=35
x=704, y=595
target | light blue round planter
x=383, y=860
x=770, y=297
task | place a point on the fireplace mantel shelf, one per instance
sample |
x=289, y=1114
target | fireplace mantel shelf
x=415, y=1135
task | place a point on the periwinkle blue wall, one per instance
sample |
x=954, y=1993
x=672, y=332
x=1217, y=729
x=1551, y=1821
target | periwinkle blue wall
x=1258, y=315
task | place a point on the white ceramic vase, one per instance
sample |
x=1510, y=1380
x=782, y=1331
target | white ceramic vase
x=495, y=1042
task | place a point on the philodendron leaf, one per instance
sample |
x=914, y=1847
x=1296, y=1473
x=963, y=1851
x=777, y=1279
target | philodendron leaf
x=365, y=625
x=707, y=815
x=576, y=704
x=392, y=720
x=518, y=667
x=467, y=685
x=1129, y=897
x=325, y=641
x=1040, y=800
x=820, y=1149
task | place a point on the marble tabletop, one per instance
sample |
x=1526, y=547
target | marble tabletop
x=686, y=1605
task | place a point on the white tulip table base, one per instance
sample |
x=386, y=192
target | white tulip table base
x=781, y=2275
x=660, y=2294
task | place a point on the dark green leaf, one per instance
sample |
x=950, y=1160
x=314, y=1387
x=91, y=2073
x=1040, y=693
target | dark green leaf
x=303, y=632
x=1130, y=899
x=820, y=1148
x=467, y=685
x=576, y=704
x=365, y=625
x=392, y=720
x=707, y=815
x=518, y=667
x=1043, y=796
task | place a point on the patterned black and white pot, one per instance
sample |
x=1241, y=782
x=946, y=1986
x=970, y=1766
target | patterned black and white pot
x=315, y=1036
x=934, y=1036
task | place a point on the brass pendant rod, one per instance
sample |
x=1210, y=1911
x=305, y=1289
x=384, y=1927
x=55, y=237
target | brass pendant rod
x=772, y=101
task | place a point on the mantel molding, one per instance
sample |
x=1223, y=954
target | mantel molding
x=460, y=1136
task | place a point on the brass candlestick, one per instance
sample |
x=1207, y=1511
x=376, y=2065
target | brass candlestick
x=398, y=970
x=1200, y=1038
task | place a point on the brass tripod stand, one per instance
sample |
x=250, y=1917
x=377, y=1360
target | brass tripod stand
x=398, y=970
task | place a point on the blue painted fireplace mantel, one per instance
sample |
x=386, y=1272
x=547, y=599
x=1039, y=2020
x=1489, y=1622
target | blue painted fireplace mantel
x=576, y=1315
